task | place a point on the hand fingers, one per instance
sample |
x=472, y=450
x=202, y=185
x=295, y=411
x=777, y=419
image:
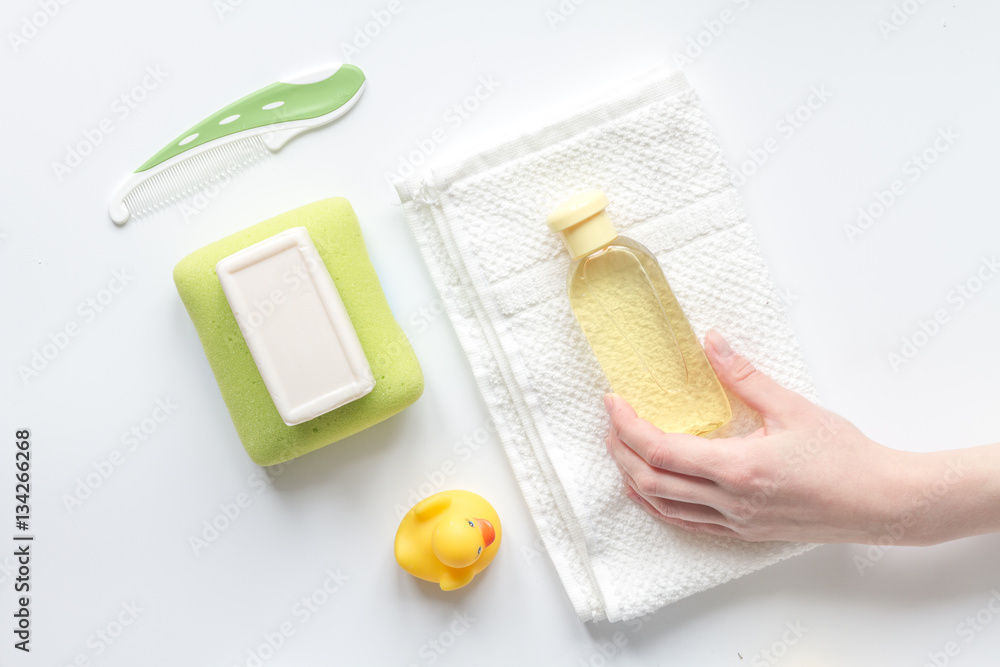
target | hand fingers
x=676, y=452
x=654, y=483
x=674, y=509
x=692, y=526
x=753, y=387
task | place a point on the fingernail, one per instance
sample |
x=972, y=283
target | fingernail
x=719, y=343
x=609, y=402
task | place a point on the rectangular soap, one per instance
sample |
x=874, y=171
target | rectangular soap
x=294, y=322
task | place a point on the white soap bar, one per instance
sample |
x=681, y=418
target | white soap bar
x=296, y=326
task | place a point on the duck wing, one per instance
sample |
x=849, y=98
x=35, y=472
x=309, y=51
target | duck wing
x=431, y=507
x=452, y=578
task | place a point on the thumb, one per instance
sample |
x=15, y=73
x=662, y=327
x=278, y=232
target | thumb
x=753, y=387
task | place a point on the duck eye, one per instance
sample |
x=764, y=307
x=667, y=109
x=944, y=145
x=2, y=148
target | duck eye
x=480, y=551
x=472, y=524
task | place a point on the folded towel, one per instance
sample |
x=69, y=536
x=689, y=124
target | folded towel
x=480, y=224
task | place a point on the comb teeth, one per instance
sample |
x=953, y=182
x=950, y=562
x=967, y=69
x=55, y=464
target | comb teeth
x=188, y=176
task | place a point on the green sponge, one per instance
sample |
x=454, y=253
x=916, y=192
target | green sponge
x=334, y=230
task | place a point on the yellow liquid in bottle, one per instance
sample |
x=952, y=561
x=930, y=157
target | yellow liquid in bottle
x=643, y=341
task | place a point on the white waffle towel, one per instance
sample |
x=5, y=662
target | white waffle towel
x=480, y=224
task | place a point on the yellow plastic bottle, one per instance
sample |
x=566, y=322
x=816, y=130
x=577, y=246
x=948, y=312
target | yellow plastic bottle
x=634, y=325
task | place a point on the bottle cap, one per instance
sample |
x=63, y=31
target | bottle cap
x=584, y=225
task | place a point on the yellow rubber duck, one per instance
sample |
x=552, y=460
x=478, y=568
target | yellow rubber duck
x=448, y=538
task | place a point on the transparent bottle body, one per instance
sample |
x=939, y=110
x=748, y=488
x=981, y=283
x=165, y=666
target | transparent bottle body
x=643, y=341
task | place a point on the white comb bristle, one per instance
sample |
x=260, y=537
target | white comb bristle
x=188, y=176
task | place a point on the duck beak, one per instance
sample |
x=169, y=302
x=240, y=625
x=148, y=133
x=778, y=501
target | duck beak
x=486, y=528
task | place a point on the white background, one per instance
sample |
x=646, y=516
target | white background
x=336, y=509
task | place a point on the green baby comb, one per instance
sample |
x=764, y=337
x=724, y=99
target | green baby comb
x=236, y=136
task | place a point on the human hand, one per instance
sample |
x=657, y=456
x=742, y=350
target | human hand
x=806, y=475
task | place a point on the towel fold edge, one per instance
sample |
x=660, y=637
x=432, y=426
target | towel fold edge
x=655, y=84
